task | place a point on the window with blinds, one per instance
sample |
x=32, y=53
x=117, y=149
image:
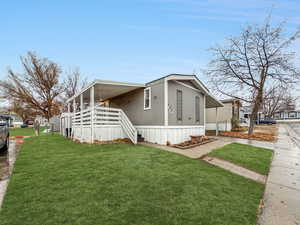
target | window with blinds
x=197, y=108
x=179, y=105
x=147, y=98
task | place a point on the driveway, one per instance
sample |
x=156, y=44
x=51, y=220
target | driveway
x=282, y=194
x=295, y=127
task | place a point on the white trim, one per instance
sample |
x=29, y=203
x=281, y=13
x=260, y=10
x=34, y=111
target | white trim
x=166, y=102
x=109, y=82
x=81, y=117
x=194, y=78
x=188, y=77
x=204, y=102
x=147, y=89
x=217, y=127
x=188, y=86
x=92, y=106
x=119, y=83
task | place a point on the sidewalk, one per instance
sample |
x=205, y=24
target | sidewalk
x=11, y=161
x=282, y=194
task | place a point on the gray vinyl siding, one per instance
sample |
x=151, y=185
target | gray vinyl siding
x=188, y=105
x=132, y=104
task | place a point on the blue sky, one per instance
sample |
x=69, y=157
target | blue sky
x=136, y=40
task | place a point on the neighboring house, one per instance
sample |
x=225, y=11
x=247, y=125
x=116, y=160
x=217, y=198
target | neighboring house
x=282, y=114
x=287, y=115
x=166, y=111
x=245, y=112
x=224, y=117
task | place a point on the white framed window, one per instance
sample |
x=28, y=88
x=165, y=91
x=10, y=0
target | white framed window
x=147, y=98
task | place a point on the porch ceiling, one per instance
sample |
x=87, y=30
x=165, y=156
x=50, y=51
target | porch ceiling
x=108, y=89
x=211, y=102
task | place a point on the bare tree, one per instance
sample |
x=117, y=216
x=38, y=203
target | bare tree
x=248, y=64
x=275, y=99
x=38, y=87
x=73, y=83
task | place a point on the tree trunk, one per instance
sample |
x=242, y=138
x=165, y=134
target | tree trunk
x=253, y=117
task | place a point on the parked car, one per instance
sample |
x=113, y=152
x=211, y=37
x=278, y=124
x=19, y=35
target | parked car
x=24, y=125
x=266, y=121
x=4, y=134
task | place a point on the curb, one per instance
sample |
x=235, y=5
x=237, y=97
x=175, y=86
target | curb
x=13, y=137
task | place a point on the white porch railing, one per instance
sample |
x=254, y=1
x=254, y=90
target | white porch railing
x=101, y=116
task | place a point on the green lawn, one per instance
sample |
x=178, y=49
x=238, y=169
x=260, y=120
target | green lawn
x=56, y=181
x=28, y=131
x=254, y=158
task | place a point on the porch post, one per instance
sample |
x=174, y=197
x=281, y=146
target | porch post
x=74, y=112
x=166, y=109
x=68, y=121
x=81, y=117
x=92, y=107
x=166, y=98
x=217, y=126
x=204, y=114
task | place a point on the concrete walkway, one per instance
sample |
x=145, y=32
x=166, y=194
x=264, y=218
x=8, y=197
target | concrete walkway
x=201, y=150
x=236, y=169
x=12, y=154
x=196, y=152
x=282, y=194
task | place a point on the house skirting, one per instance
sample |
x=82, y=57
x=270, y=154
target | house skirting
x=101, y=133
x=222, y=126
x=169, y=134
x=154, y=134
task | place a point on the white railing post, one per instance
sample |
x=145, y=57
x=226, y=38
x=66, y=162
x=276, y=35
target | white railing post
x=81, y=117
x=113, y=116
x=68, y=123
x=92, y=107
x=74, y=112
x=217, y=126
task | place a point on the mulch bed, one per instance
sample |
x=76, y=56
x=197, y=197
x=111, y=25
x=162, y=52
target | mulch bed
x=256, y=136
x=117, y=141
x=239, y=129
x=194, y=142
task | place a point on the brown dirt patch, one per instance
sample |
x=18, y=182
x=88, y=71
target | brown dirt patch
x=259, y=136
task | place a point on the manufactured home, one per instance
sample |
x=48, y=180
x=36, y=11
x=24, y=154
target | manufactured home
x=165, y=111
x=226, y=115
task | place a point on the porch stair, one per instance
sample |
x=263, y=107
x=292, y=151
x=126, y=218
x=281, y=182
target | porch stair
x=128, y=127
x=108, y=116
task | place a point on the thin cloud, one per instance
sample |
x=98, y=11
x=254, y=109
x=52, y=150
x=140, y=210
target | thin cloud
x=163, y=29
